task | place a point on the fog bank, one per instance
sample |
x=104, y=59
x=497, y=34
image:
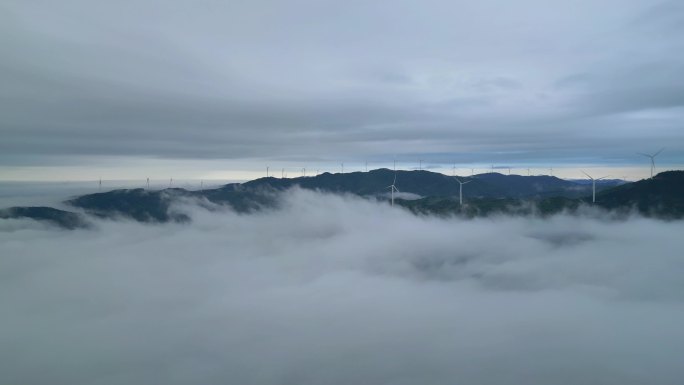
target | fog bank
x=340, y=290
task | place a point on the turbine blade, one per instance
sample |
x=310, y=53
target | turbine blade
x=641, y=153
x=467, y=182
x=659, y=151
x=603, y=177
x=587, y=175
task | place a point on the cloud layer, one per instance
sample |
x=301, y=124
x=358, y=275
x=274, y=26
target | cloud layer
x=339, y=290
x=447, y=81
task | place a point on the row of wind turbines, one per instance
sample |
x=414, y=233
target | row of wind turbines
x=394, y=188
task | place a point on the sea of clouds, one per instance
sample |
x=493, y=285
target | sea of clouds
x=334, y=290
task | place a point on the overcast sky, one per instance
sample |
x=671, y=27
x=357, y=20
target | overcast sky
x=220, y=89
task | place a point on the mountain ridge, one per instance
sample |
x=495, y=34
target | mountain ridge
x=661, y=196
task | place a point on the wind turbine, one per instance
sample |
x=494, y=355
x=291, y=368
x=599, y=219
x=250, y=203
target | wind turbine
x=266, y=171
x=460, y=190
x=148, y=183
x=453, y=171
x=393, y=188
x=593, y=185
x=100, y=185
x=652, y=159
x=170, y=182
x=282, y=173
x=420, y=165
x=342, y=164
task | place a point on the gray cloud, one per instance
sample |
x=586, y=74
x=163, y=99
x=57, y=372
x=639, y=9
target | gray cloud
x=312, y=80
x=339, y=290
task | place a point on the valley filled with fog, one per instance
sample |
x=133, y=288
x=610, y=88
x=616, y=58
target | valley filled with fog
x=331, y=289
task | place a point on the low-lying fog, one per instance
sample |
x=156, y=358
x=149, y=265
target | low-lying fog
x=338, y=290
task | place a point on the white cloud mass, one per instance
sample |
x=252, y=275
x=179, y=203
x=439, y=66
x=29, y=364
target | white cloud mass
x=339, y=290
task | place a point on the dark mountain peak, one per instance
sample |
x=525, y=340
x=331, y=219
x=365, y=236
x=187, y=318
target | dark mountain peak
x=61, y=218
x=140, y=204
x=672, y=176
x=661, y=196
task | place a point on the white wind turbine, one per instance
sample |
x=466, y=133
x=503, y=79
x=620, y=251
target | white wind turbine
x=460, y=190
x=393, y=188
x=652, y=159
x=593, y=185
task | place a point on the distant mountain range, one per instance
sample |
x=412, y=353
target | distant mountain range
x=421, y=192
x=431, y=184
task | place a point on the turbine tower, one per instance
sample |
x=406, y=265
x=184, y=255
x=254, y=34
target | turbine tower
x=393, y=188
x=148, y=183
x=593, y=185
x=652, y=159
x=460, y=190
x=100, y=185
x=266, y=171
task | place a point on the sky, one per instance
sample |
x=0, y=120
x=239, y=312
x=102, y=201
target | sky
x=353, y=291
x=223, y=89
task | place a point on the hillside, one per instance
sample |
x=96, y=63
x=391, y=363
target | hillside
x=661, y=196
x=431, y=184
x=487, y=194
x=61, y=218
